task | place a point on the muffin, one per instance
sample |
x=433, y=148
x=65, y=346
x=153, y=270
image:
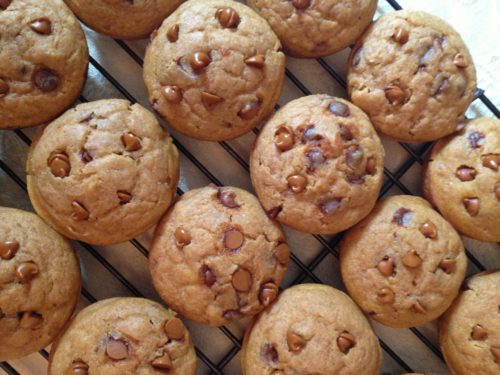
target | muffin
x=403, y=264
x=413, y=75
x=462, y=179
x=123, y=19
x=43, y=61
x=103, y=173
x=311, y=329
x=216, y=257
x=214, y=69
x=305, y=27
x=469, y=332
x=40, y=278
x=317, y=165
x=121, y=336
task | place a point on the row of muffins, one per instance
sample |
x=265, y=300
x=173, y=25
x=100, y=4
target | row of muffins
x=128, y=143
x=135, y=335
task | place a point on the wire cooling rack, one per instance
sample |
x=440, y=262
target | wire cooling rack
x=121, y=270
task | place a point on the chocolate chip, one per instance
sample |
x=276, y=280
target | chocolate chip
x=345, y=133
x=199, y=61
x=59, y=164
x=412, y=259
x=472, y=205
x=301, y=4
x=355, y=179
x=233, y=239
x=256, y=61
x=86, y=156
x=231, y=314
x=495, y=350
x=42, y=26
x=497, y=190
x=249, y=110
x=270, y=353
x=282, y=254
x=8, y=249
x=447, y=265
x=479, y=333
x=228, y=17
x=30, y=320
x=4, y=4
x=385, y=295
x=402, y=217
x=339, y=109
x=315, y=158
x=173, y=33
x=295, y=342
x=278, y=372
x=418, y=308
x=210, y=100
x=208, y=276
x=428, y=229
x=274, y=212
x=131, y=142
x=491, y=161
x=460, y=61
x=4, y=88
x=78, y=368
x=124, y=197
x=172, y=94
x=283, y=138
x=227, y=198
x=427, y=56
x=401, y=35
x=268, y=293
x=345, y=342
x=443, y=86
x=162, y=363
x=395, y=95
x=45, y=79
x=175, y=329
x=465, y=173
x=371, y=166
x=476, y=139
x=330, y=206
x=182, y=237
x=116, y=349
x=354, y=157
x=242, y=280
x=80, y=213
x=26, y=272
x=297, y=183
x=386, y=266
x=310, y=134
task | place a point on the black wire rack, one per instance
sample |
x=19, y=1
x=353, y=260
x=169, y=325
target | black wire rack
x=305, y=270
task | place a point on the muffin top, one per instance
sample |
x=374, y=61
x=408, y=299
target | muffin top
x=120, y=336
x=469, y=332
x=214, y=69
x=462, y=179
x=311, y=329
x=317, y=165
x=43, y=61
x=103, y=172
x=217, y=257
x=403, y=264
x=40, y=278
x=413, y=75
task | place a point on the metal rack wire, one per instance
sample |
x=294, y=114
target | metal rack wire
x=307, y=271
